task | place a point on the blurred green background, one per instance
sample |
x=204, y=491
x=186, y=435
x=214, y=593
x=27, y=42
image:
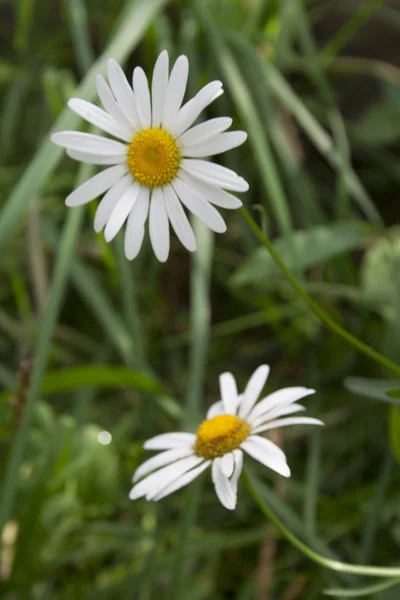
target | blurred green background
x=90, y=343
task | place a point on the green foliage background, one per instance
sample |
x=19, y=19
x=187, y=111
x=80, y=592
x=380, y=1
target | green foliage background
x=90, y=342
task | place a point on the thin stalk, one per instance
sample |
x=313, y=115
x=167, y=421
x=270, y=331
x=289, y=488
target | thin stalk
x=334, y=565
x=200, y=331
x=313, y=476
x=369, y=533
x=316, y=309
x=346, y=33
x=127, y=284
x=200, y=317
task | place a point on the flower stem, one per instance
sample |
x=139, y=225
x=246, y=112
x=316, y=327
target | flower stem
x=315, y=307
x=334, y=565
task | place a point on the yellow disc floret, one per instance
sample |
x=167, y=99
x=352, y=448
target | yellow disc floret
x=220, y=435
x=153, y=157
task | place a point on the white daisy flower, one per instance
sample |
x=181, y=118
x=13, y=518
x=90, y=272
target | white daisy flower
x=155, y=169
x=232, y=427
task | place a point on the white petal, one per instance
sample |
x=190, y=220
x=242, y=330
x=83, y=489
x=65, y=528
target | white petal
x=203, y=132
x=217, y=145
x=121, y=211
x=160, y=460
x=88, y=142
x=123, y=93
x=98, y=117
x=159, y=225
x=96, y=185
x=217, y=94
x=134, y=232
x=215, y=195
x=159, y=88
x=175, y=90
x=179, y=220
x=112, y=107
x=191, y=110
x=278, y=411
x=229, y=393
x=289, y=421
x=96, y=159
x=282, y=397
x=192, y=461
x=253, y=390
x=165, y=441
x=142, y=97
x=198, y=206
x=222, y=485
x=182, y=480
x=154, y=483
x=238, y=457
x=268, y=446
x=215, y=409
x=110, y=200
x=215, y=174
x=254, y=449
x=227, y=464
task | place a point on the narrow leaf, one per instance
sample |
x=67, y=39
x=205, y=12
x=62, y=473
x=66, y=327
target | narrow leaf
x=66, y=380
x=378, y=389
x=312, y=246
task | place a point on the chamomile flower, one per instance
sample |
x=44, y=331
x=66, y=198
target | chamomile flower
x=232, y=428
x=156, y=168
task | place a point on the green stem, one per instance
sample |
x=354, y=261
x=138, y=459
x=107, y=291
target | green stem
x=371, y=526
x=200, y=328
x=334, y=565
x=317, y=310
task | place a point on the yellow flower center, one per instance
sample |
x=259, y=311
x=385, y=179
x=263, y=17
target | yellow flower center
x=220, y=435
x=153, y=157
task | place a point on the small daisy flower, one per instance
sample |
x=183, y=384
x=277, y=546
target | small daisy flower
x=157, y=168
x=232, y=428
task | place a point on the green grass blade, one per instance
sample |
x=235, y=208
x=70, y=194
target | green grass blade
x=78, y=23
x=66, y=380
x=257, y=136
x=321, y=139
x=346, y=33
x=42, y=349
x=127, y=282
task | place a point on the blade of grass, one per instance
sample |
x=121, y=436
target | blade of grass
x=65, y=380
x=320, y=138
x=42, y=349
x=79, y=27
x=127, y=283
x=248, y=111
x=91, y=290
x=347, y=180
x=97, y=300
x=47, y=157
x=346, y=33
